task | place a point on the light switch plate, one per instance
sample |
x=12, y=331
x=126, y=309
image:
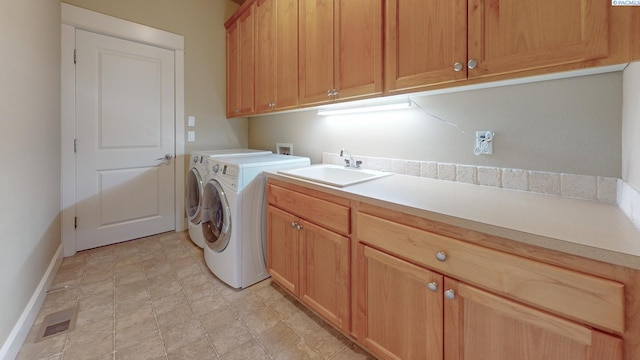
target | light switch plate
x=191, y=121
x=191, y=136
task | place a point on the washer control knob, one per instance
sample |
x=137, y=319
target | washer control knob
x=215, y=168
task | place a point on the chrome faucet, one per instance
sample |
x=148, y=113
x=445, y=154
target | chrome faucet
x=350, y=162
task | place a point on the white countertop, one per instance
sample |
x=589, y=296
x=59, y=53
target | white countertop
x=585, y=228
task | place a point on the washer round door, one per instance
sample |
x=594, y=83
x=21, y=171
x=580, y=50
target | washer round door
x=216, y=216
x=194, y=196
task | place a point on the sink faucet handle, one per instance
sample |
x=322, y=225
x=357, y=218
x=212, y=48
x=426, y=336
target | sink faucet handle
x=358, y=163
x=346, y=161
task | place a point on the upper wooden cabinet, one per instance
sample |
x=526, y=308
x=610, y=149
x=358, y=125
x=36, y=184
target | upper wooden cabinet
x=424, y=38
x=433, y=42
x=340, y=52
x=276, y=55
x=240, y=61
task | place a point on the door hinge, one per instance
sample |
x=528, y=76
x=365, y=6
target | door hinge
x=75, y=145
x=74, y=56
x=75, y=222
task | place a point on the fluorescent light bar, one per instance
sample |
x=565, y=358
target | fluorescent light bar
x=406, y=104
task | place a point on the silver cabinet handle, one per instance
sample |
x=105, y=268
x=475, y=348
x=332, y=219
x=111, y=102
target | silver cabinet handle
x=441, y=256
x=457, y=67
x=450, y=294
x=433, y=286
x=166, y=157
x=472, y=64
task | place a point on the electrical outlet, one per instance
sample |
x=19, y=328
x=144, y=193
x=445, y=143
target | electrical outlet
x=484, y=142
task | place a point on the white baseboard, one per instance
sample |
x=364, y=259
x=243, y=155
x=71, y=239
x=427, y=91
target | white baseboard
x=16, y=338
x=629, y=202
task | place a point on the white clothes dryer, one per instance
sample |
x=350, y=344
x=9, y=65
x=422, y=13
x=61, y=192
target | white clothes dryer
x=195, y=185
x=233, y=216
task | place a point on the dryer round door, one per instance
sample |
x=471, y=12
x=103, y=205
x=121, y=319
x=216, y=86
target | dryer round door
x=194, y=196
x=216, y=216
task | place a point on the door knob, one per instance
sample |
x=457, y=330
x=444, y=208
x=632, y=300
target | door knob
x=166, y=157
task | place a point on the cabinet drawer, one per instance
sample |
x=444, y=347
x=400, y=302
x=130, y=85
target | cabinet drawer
x=321, y=212
x=585, y=298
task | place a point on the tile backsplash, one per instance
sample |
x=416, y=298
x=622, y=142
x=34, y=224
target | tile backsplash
x=597, y=188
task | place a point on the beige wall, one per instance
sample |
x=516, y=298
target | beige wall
x=569, y=125
x=201, y=22
x=30, y=148
x=631, y=126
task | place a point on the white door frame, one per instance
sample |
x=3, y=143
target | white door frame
x=77, y=18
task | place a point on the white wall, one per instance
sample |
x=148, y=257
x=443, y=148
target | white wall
x=631, y=126
x=569, y=125
x=30, y=148
x=201, y=22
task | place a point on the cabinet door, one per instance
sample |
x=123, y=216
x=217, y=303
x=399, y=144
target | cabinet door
x=240, y=61
x=233, y=70
x=511, y=35
x=358, y=48
x=283, y=251
x=325, y=274
x=247, y=81
x=480, y=326
x=276, y=55
x=424, y=39
x=266, y=41
x=399, y=316
x=316, y=51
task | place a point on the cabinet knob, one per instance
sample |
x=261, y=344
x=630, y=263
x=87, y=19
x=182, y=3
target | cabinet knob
x=329, y=92
x=293, y=224
x=450, y=294
x=441, y=256
x=299, y=227
x=472, y=64
x=335, y=92
x=433, y=286
x=457, y=67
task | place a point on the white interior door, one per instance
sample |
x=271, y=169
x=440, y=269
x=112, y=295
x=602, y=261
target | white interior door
x=125, y=121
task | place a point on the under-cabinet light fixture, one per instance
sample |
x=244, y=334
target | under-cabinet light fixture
x=405, y=104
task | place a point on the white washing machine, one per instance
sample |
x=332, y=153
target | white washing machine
x=195, y=185
x=233, y=216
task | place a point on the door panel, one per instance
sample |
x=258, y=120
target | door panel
x=124, y=127
x=424, y=39
x=514, y=35
x=325, y=274
x=403, y=318
x=283, y=249
x=480, y=325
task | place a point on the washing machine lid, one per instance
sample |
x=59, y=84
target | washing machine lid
x=194, y=195
x=216, y=216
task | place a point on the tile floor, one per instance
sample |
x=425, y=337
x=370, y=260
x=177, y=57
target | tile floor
x=154, y=298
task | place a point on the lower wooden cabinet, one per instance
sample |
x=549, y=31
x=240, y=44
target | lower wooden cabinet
x=404, y=291
x=408, y=312
x=480, y=325
x=310, y=261
x=400, y=308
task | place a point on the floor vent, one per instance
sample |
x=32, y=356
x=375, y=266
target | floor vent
x=58, y=323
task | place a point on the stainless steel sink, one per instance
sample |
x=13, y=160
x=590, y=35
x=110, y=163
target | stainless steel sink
x=335, y=175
